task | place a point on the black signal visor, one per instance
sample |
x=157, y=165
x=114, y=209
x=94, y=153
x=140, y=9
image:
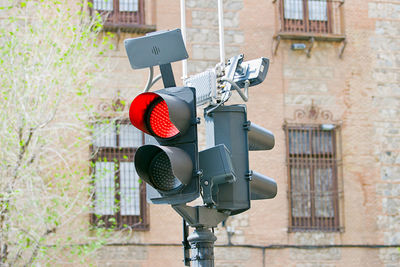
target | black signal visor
x=159, y=115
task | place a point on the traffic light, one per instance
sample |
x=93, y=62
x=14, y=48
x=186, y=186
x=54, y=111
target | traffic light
x=171, y=166
x=228, y=125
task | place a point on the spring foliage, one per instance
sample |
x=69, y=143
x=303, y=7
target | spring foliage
x=50, y=53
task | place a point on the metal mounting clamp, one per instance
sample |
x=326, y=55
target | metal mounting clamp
x=200, y=216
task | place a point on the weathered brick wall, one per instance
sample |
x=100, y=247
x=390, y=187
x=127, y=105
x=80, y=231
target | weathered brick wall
x=385, y=43
x=361, y=90
x=202, y=32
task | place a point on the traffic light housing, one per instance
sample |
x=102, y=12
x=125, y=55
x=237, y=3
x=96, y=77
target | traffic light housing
x=171, y=165
x=169, y=162
x=228, y=126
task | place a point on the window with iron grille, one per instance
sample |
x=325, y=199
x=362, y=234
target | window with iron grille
x=313, y=177
x=121, y=14
x=119, y=195
x=307, y=15
x=311, y=16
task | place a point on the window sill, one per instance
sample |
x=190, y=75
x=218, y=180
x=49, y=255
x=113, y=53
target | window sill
x=315, y=230
x=104, y=222
x=129, y=28
x=309, y=35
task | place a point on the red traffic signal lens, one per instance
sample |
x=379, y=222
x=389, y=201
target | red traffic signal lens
x=158, y=121
x=149, y=113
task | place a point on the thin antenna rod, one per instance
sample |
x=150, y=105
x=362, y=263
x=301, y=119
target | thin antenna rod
x=183, y=28
x=221, y=31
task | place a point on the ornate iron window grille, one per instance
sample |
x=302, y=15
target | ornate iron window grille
x=122, y=15
x=119, y=197
x=313, y=151
x=315, y=17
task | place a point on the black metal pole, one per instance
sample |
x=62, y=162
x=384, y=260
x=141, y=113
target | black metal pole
x=202, y=247
x=185, y=243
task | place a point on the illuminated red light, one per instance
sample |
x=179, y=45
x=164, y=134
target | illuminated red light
x=149, y=113
x=159, y=122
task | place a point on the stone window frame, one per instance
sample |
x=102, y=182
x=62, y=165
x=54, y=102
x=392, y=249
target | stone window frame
x=116, y=154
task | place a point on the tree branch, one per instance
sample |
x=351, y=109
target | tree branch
x=38, y=245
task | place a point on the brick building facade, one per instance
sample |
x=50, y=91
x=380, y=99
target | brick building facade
x=347, y=75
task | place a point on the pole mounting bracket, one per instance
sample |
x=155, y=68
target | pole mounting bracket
x=200, y=216
x=308, y=51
